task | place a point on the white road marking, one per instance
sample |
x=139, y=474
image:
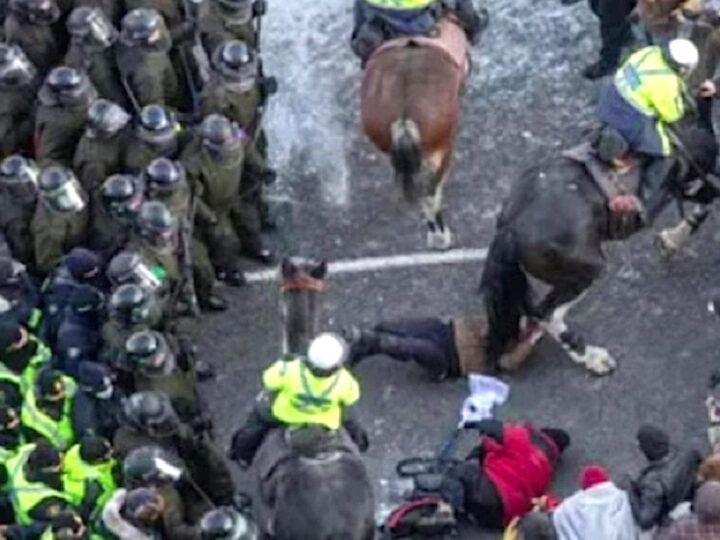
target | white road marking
x=371, y=264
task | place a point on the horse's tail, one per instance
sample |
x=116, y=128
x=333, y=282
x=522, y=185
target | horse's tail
x=504, y=288
x=405, y=154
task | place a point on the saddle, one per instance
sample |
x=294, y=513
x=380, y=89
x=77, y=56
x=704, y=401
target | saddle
x=617, y=174
x=450, y=39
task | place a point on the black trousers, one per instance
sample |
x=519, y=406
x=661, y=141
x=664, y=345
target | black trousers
x=614, y=27
x=466, y=488
x=426, y=341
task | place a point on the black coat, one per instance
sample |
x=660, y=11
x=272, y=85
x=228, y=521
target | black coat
x=662, y=485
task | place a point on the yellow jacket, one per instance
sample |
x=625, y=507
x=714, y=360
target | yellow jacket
x=303, y=398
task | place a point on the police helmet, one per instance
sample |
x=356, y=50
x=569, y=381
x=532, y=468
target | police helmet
x=162, y=175
x=226, y=523
x=60, y=190
x=132, y=305
x=156, y=224
x=15, y=67
x=237, y=63
x=91, y=24
x=151, y=412
x=147, y=350
x=128, y=267
x=19, y=177
x=327, y=353
x=140, y=467
x=142, y=25
x=219, y=134
x=122, y=197
x=66, y=86
x=36, y=11
x=682, y=55
x=105, y=118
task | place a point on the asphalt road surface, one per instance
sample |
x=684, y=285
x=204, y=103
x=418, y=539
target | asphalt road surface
x=336, y=200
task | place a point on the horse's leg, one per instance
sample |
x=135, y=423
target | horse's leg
x=559, y=301
x=439, y=235
x=671, y=239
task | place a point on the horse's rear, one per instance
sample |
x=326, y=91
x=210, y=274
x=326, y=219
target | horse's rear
x=327, y=497
x=410, y=99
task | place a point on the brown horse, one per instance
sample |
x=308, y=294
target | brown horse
x=410, y=96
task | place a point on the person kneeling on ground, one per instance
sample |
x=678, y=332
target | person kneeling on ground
x=513, y=465
x=316, y=390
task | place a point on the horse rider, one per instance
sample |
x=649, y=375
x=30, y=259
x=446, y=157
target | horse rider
x=647, y=93
x=312, y=390
x=377, y=21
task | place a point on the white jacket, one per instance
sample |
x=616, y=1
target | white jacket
x=601, y=512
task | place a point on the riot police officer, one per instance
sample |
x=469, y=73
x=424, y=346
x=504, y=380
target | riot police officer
x=61, y=219
x=166, y=181
x=92, y=44
x=144, y=61
x=239, y=91
x=157, y=134
x=101, y=150
x=222, y=20
x=18, y=199
x=29, y=25
x=112, y=219
x=156, y=368
x=65, y=97
x=131, y=308
x=18, y=86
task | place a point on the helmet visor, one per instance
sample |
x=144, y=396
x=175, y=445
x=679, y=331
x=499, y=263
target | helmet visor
x=66, y=198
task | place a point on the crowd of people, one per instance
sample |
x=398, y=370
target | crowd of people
x=133, y=166
x=133, y=162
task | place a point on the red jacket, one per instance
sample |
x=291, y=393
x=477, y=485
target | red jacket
x=519, y=469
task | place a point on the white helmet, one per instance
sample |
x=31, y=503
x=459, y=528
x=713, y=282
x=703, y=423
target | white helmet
x=327, y=352
x=684, y=54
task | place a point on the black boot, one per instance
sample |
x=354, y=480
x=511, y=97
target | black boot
x=362, y=344
x=212, y=302
x=601, y=68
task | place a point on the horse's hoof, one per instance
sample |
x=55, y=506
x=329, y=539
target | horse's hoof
x=441, y=241
x=598, y=360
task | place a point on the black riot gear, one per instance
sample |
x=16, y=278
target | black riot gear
x=105, y=119
x=156, y=224
x=122, y=196
x=128, y=267
x=90, y=25
x=15, y=67
x=148, y=351
x=36, y=11
x=60, y=190
x=130, y=304
x=19, y=178
x=142, y=26
x=226, y=523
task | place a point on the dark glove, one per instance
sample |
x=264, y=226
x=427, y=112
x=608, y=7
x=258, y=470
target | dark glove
x=259, y=8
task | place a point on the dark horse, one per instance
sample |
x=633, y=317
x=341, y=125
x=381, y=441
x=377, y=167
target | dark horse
x=316, y=490
x=410, y=97
x=548, y=246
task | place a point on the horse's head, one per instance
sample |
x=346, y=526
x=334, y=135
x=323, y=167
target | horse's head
x=300, y=280
x=655, y=11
